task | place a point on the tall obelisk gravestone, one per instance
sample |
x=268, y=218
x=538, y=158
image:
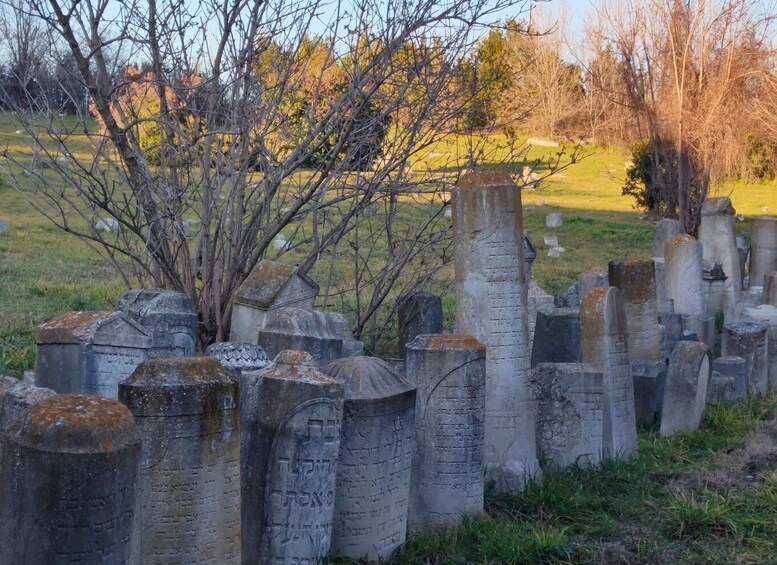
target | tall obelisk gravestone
x=491, y=305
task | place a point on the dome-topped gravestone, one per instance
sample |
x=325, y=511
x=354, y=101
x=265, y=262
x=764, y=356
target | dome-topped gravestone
x=376, y=450
x=239, y=356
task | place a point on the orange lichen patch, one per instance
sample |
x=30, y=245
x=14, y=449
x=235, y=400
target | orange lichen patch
x=76, y=320
x=682, y=238
x=72, y=327
x=594, y=302
x=180, y=371
x=449, y=341
x=76, y=423
x=295, y=365
x=485, y=179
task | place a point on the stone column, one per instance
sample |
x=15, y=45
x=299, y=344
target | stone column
x=766, y=314
x=291, y=415
x=728, y=382
x=636, y=281
x=418, y=314
x=67, y=482
x=376, y=453
x=748, y=340
x=189, y=487
x=683, y=275
x=450, y=374
x=716, y=234
x=492, y=306
x=763, y=249
x=686, y=388
x=604, y=346
x=557, y=337
x=665, y=230
x=770, y=289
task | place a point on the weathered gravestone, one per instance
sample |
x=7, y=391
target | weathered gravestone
x=586, y=282
x=417, y=314
x=604, y=346
x=714, y=287
x=763, y=249
x=687, y=380
x=728, y=381
x=557, y=337
x=569, y=414
x=770, y=289
x=15, y=399
x=89, y=352
x=665, y=230
x=269, y=286
x=683, y=275
x=169, y=318
x=636, y=281
x=188, y=507
x=68, y=472
x=492, y=306
x=649, y=384
x=376, y=451
x=291, y=414
x=716, y=234
x=447, y=479
x=238, y=357
x=766, y=314
x=748, y=340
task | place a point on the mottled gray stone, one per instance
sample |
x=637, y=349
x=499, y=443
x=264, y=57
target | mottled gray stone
x=687, y=379
x=569, y=414
x=665, y=230
x=538, y=301
x=557, y=337
x=168, y=316
x=188, y=507
x=766, y=314
x=291, y=415
x=586, y=282
x=649, y=384
x=554, y=220
x=376, y=452
x=238, y=357
x=492, y=306
x=763, y=249
x=636, y=281
x=683, y=275
x=15, y=399
x=714, y=287
x=728, y=382
x=716, y=234
x=702, y=327
x=770, y=289
x=68, y=474
x=748, y=340
x=570, y=298
x=89, y=352
x=417, y=314
x=743, y=252
x=604, y=346
x=269, y=286
x=447, y=479
x=342, y=329
x=664, y=305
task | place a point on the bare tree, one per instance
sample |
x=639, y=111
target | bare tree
x=25, y=41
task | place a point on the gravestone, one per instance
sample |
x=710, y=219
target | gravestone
x=649, y=384
x=238, y=357
x=269, y=286
x=716, y=234
x=748, y=340
x=770, y=289
x=591, y=280
x=169, y=318
x=763, y=248
x=687, y=379
x=492, y=306
x=529, y=255
x=570, y=298
x=554, y=220
x=728, y=382
x=604, y=346
x=664, y=305
x=557, y=337
x=714, y=286
x=683, y=275
x=743, y=251
x=449, y=372
x=342, y=329
x=15, y=399
x=376, y=452
x=68, y=472
x=636, y=281
x=766, y=314
x=291, y=414
x=664, y=231
x=417, y=314
x=539, y=301
x=569, y=414
x=89, y=352
x=188, y=507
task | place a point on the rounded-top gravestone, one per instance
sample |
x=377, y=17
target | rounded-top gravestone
x=685, y=395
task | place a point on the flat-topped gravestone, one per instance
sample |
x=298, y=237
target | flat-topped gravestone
x=238, y=357
x=291, y=415
x=716, y=234
x=665, y=230
x=763, y=248
x=766, y=314
x=683, y=275
x=447, y=479
x=636, y=281
x=188, y=507
x=269, y=286
x=376, y=452
x=569, y=414
x=68, y=472
x=685, y=395
x=604, y=346
x=557, y=337
x=417, y=314
x=492, y=306
x=728, y=381
x=770, y=289
x=714, y=287
x=89, y=352
x=649, y=384
x=169, y=318
x=749, y=341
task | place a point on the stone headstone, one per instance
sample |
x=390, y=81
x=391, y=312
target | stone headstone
x=238, y=357
x=492, y=306
x=685, y=396
x=649, y=384
x=763, y=248
x=538, y=301
x=743, y=252
x=550, y=241
x=188, y=507
x=556, y=251
x=714, y=287
x=604, y=346
x=590, y=280
x=748, y=340
x=766, y=314
x=449, y=372
x=376, y=452
x=418, y=314
x=16, y=397
x=569, y=414
x=664, y=305
x=570, y=298
x=728, y=382
x=168, y=316
x=108, y=225
x=554, y=220
x=636, y=281
x=291, y=415
x=269, y=286
x=342, y=329
x=89, y=352
x=557, y=337
x=716, y=234
x=68, y=474
x=770, y=289
x=683, y=275
x=529, y=255
x=665, y=230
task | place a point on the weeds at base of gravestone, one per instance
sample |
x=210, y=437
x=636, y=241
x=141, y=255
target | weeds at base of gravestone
x=15, y=360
